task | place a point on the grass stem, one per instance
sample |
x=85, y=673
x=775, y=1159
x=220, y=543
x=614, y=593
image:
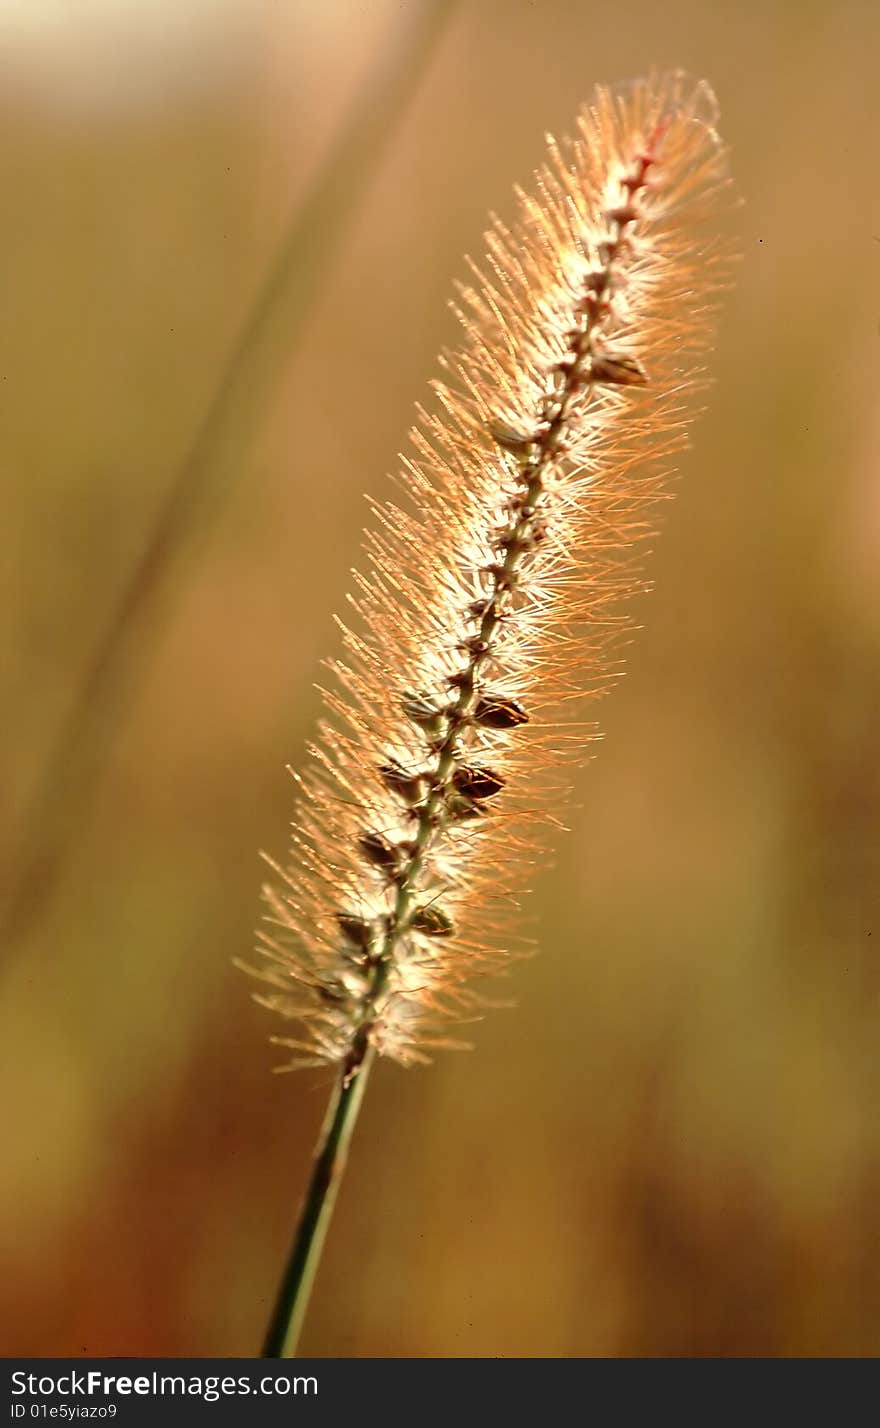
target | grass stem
x=331, y=1155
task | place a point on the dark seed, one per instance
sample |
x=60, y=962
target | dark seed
x=357, y=930
x=597, y=280
x=378, y=851
x=433, y=921
x=559, y=371
x=333, y=994
x=423, y=709
x=409, y=787
x=618, y=370
x=624, y=213
x=477, y=783
x=494, y=571
x=495, y=711
x=463, y=679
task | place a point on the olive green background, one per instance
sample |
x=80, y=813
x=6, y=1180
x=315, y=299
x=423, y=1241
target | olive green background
x=671, y=1145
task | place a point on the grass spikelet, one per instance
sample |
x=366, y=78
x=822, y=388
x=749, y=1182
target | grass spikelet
x=491, y=588
x=492, y=597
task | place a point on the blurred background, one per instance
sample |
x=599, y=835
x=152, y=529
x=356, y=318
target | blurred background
x=671, y=1146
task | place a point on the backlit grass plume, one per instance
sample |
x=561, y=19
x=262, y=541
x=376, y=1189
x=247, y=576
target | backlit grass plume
x=489, y=597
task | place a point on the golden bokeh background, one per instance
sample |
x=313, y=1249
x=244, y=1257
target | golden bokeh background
x=671, y=1146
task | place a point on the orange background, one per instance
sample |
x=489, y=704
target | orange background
x=672, y=1144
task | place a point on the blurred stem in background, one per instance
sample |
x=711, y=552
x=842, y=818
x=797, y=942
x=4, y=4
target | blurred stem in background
x=331, y=1155
x=214, y=462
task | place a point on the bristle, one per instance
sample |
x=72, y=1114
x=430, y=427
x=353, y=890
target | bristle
x=485, y=606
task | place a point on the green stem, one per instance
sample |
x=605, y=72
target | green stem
x=331, y=1155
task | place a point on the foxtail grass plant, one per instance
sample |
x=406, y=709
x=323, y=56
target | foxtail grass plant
x=492, y=598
